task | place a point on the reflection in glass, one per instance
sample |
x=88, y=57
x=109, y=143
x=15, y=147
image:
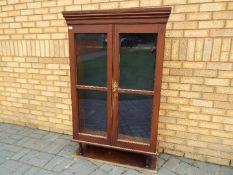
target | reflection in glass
x=92, y=112
x=91, y=52
x=137, y=60
x=135, y=112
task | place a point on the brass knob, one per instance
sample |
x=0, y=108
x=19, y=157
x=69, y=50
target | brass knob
x=114, y=86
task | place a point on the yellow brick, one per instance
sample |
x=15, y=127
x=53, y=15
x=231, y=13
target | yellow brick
x=199, y=16
x=205, y=73
x=198, y=1
x=41, y=11
x=90, y=7
x=43, y=36
x=185, y=25
x=196, y=33
x=194, y=65
x=34, y=5
x=184, y=148
x=147, y=3
x=187, y=122
x=109, y=5
x=213, y=111
x=223, y=105
x=214, y=96
x=14, y=13
x=58, y=36
x=35, y=18
x=177, y=86
x=171, y=2
x=175, y=79
x=7, y=7
x=98, y=1
x=18, y=6
x=50, y=30
x=177, y=17
x=217, y=82
x=168, y=106
x=55, y=120
x=204, y=103
x=192, y=80
x=218, y=160
x=72, y=8
x=182, y=49
x=226, y=44
x=211, y=125
x=62, y=84
x=172, y=64
x=177, y=100
x=175, y=49
x=190, y=94
x=219, y=66
x=49, y=16
x=26, y=12
x=57, y=23
x=174, y=140
x=220, y=119
x=216, y=49
x=174, y=33
x=196, y=143
x=223, y=15
x=186, y=8
x=62, y=106
x=211, y=24
x=129, y=4
x=199, y=117
x=212, y=6
x=63, y=3
x=222, y=134
x=176, y=127
x=221, y=32
x=186, y=72
x=225, y=74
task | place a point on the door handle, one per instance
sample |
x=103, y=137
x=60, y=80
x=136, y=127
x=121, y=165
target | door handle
x=114, y=86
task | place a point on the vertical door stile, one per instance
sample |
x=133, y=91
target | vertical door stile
x=73, y=84
x=132, y=41
x=115, y=79
x=157, y=85
x=109, y=81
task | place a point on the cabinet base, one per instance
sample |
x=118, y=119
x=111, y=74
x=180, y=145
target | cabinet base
x=117, y=156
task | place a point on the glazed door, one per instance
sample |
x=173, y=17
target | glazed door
x=136, y=87
x=91, y=71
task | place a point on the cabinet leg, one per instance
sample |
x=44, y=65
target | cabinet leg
x=151, y=162
x=81, y=149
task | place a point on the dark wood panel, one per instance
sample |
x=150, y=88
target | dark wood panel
x=133, y=15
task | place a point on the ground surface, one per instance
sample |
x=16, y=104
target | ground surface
x=25, y=151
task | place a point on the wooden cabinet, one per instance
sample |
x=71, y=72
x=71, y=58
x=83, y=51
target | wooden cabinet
x=116, y=59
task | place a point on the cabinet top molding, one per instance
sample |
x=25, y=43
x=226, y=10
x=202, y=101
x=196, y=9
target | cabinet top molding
x=132, y=15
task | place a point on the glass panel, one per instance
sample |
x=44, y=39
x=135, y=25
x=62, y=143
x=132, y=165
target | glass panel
x=92, y=112
x=91, y=52
x=137, y=60
x=134, y=115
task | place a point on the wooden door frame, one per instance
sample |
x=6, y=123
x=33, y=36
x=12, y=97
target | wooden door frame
x=155, y=16
x=138, y=28
x=88, y=29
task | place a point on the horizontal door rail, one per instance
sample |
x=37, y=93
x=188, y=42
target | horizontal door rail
x=133, y=91
x=97, y=88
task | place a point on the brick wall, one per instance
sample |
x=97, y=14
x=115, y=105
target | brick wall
x=196, y=116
